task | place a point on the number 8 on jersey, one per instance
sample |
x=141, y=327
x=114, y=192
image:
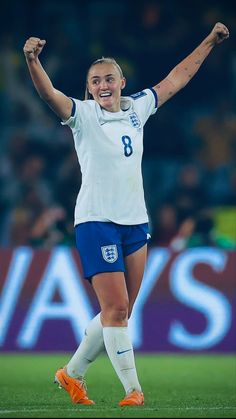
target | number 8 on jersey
x=128, y=150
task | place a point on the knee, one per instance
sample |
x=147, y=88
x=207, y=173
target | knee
x=116, y=314
x=120, y=313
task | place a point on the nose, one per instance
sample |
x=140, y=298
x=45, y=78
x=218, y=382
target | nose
x=103, y=84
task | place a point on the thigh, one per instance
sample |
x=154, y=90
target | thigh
x=135, y=265
x=111, y=291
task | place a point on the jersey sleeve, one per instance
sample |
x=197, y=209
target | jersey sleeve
x=76, y=118
x=145, y=103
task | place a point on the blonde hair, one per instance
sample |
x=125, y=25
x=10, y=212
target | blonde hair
x=106, y=60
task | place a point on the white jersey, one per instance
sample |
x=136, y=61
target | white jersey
x=109, y=147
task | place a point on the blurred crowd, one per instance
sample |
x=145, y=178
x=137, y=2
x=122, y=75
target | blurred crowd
x=189, y=163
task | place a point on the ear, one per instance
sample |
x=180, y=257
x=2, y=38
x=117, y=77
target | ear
x=123, y=83
x=88, y=88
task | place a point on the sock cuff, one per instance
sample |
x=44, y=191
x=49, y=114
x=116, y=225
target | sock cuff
x=114, y=329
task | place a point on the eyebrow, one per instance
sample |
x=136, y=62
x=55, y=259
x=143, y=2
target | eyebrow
x=107, y=75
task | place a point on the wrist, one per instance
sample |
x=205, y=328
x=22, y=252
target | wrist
x=211, y=40
x=31, y=60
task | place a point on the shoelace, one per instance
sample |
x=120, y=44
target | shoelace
x=82, y=383
x=81, y=380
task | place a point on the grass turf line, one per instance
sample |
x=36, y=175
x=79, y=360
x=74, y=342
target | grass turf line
x=175, y=386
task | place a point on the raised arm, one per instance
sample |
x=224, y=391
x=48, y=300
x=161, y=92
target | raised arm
x=183, y=72
x=58, y=102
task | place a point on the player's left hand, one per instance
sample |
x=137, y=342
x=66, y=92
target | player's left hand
x=219, y=33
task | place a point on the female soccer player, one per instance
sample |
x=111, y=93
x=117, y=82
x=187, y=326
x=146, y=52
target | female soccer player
x=111, y=221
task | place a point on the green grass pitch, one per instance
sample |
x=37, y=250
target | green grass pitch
x=175, y=386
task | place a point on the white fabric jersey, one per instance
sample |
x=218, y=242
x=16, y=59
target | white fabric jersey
x=109, y=147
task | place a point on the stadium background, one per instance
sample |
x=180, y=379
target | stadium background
x=188, y=166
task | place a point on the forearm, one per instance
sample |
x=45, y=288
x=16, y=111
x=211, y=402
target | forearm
x=183, y=72
x=58, y=102
x=40, y=79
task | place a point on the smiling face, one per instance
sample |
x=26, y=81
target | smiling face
x=105, y=84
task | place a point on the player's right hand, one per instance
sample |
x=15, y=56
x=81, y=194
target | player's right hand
x=219, y=33
x=33, y=47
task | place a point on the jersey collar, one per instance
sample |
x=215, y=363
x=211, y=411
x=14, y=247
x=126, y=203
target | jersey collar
x=105, y=116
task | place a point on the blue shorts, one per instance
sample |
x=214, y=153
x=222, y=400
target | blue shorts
x=104, y=245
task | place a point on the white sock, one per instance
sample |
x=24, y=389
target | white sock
x=90, y=347
x=120, y=351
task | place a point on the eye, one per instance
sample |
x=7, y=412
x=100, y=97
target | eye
x=95, y=81
x=110, y=79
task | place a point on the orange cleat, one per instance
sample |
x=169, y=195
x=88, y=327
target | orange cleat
x=136, y=398
x=74, y=386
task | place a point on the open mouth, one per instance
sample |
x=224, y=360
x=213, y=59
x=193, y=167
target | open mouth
x=105, y=94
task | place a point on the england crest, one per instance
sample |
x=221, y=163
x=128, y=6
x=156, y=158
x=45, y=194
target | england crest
x=110, y=253
x=134, y=119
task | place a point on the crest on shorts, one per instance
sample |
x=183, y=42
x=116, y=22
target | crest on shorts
x=110, y=253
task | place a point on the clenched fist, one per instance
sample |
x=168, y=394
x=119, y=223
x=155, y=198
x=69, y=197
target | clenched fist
x=33, y=47
x=219, y=33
